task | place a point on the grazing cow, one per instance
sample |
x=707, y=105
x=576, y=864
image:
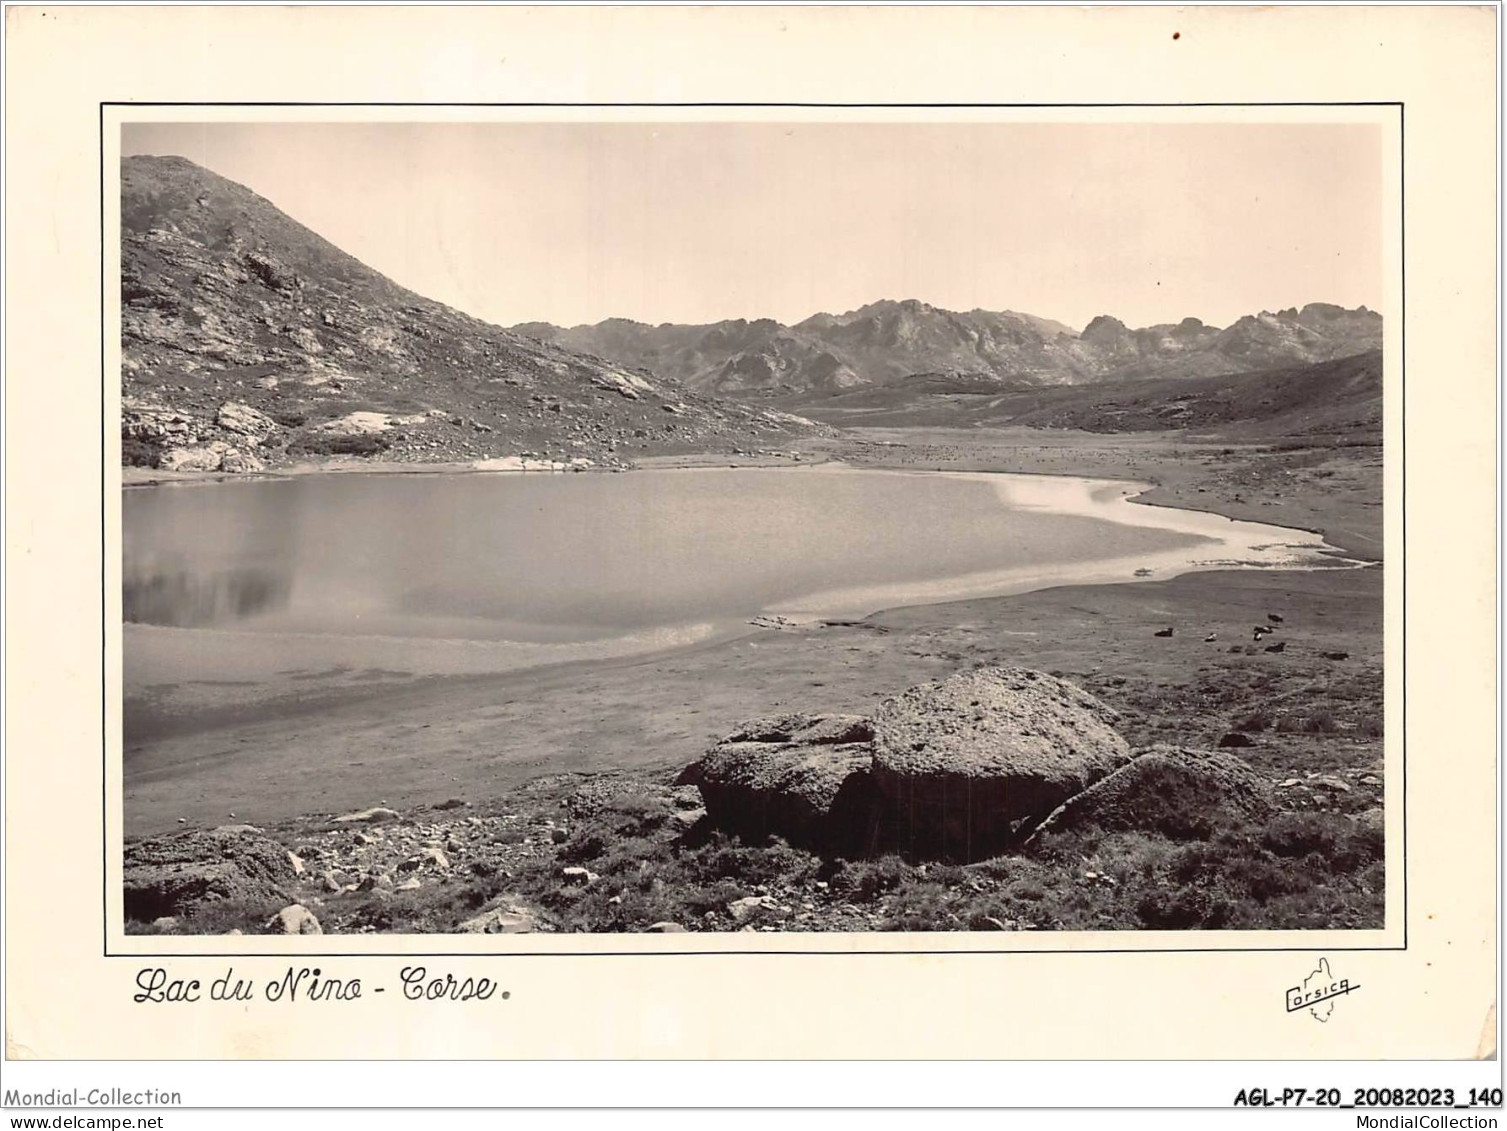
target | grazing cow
x=1209, y=639
x=1164, y=632
x=1277, y=647
x=1274, y=618
x=1258, y=632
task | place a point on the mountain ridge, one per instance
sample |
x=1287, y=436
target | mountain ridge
x=888, y=340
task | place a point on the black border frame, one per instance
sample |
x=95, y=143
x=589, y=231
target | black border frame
x=771, y=954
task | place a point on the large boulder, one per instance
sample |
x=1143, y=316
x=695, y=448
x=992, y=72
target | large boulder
x=969, y=765
x=156, y=422
x=176, y=874
x=201, y=457
x=1179, y=793
x=241, y=462
x=233, y=416
x=806, y=778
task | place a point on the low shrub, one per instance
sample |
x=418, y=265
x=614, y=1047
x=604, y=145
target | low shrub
x=137, y=452
x=320, y=444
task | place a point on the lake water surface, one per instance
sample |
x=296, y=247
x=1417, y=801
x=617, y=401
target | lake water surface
x=482, y=571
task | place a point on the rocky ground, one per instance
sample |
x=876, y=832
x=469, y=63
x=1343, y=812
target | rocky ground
x=997, y=799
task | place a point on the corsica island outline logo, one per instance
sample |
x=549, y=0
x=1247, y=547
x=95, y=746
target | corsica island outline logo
x=1318, y=991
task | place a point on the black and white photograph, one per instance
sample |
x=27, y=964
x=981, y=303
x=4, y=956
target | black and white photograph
x=749, y=526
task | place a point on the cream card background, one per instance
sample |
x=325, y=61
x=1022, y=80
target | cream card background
x=66, y=999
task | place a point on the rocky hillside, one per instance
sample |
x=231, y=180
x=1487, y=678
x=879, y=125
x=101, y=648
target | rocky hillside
x=885, y=342
x=249, y=341
x=1328, y=398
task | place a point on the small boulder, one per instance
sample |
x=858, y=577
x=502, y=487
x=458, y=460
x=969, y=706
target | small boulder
x=295, y=919
x=1235, y=739
x=1330, y=783
x=665, y=927
x=504, y=916
x=1179, y=793
x=802, y=777
x=970, y=763
x=172, y=875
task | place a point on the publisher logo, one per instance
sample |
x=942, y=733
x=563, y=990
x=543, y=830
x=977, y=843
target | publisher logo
x=1318, y=992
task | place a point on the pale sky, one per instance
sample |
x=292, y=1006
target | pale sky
x=696, y=222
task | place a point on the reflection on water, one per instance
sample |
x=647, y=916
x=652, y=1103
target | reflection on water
x=187, y=599
x=578, y=557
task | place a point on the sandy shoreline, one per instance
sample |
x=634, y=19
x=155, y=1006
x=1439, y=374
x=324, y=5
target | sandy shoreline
x=475, y=735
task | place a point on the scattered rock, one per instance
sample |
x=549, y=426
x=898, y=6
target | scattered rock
x=376, y=813
x=578, y=876
x=1163, y=632
x=775, y=622
x=752, y=906
x=1179, y=793
x=968, y=762
x=1235, y=739
x=665, y=927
